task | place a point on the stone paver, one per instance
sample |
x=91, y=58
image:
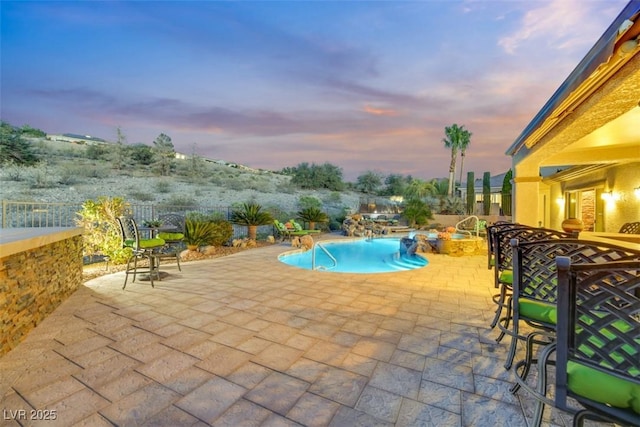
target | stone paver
x=247, y=340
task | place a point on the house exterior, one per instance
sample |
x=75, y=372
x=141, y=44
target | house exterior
x=580, y=155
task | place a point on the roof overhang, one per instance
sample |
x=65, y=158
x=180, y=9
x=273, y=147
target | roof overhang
x=593, y=117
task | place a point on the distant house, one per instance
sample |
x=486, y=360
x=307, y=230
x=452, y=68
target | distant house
x=580, y=155
x=77, y=139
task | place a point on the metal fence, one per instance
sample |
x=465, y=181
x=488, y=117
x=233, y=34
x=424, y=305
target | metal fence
x=35, y=214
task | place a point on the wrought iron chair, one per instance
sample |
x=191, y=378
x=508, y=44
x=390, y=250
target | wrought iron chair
x=504, y=265
x=630, y=228
x=535, y=294
x=140, y=249
x=598, y=340
x=173, y=238
x=491, y=230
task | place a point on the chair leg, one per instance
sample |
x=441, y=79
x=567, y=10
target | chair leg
x=503, y=323
x=512, y=346
x=500, y=302
x=542, y=384
x=521, y=377
x=126, y=273
x=152, y=268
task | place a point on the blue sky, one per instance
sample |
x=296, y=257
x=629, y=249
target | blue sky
x=363, y=85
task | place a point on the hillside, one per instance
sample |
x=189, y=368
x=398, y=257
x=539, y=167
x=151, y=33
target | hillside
x=73, y=173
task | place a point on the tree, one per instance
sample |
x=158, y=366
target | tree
x=455, y=138
x=464, y=144
x=251, y=215
x=13, y=148
x=418, y=189
x=165, y=154
x=326, y=176
x=119, y=156
x=369, y=182
x=506, y=192
x=471, y=193
x=141, y=154
x=486, y=193
x=395, y=184
x=197, y=167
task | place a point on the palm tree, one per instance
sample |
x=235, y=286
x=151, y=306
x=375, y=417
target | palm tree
x=312, y=215
x=464, y=144
x=251, y=215
x=455, y=137
x=418, y=189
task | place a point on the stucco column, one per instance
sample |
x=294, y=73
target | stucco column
x=526, y=204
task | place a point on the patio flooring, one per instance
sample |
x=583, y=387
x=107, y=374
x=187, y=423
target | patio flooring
x=245, y=340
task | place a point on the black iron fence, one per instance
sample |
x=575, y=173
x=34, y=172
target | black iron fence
x=36, y=214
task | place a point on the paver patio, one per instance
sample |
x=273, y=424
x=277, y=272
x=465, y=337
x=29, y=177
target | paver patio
x=246, y=340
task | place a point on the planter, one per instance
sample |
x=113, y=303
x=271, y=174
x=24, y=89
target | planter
x=192, y=247
x=252, y=231
x=571, y=225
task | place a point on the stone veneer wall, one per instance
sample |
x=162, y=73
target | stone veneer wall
x=35, y=282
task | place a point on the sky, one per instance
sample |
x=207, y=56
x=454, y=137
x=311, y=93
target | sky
x=363, y=85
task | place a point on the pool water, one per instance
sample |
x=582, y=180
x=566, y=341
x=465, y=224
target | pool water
x=357, y=256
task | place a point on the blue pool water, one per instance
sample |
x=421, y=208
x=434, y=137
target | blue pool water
x=357, y=256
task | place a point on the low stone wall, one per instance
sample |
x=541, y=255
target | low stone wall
x=33, y=282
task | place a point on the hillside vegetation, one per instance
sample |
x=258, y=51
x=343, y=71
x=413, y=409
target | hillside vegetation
x=72, y=173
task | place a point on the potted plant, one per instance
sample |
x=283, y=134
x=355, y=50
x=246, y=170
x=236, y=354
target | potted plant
x=251, y=215
x=312, y=215
x=198, y=233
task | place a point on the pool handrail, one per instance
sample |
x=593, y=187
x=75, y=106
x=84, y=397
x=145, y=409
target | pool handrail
x=477, y=226
x=313, y=257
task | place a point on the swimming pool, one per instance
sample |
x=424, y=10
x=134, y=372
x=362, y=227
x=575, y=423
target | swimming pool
x=356, y=256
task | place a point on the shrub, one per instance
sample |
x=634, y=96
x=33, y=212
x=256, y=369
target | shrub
x=197, y=232
x=306, y=202
x=179, y=201
x=102, y=232
x=163, y=186
x=142, y=196
x=313, y=215
x=417, y=212
x=251, y=215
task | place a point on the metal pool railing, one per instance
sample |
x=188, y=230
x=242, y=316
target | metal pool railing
x=476, y=226
x=313, y=258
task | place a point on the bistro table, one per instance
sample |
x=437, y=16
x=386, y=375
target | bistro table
x=152, y=232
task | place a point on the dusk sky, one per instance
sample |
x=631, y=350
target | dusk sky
x=363, y=85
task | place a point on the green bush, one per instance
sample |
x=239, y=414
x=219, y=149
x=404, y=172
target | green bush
x=163, y=186
x=198, y=233
x=306, y=202
x=220, y=230
x=416, y=212
x=179, y=201
x=102, y=233
x=142, y=196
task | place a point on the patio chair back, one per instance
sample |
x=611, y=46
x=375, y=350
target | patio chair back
x=630, y=228
x=173, y=220
x=534, y=266
x=535, y=282
x=598, y=339
x=504, y=251
x=491, y=231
